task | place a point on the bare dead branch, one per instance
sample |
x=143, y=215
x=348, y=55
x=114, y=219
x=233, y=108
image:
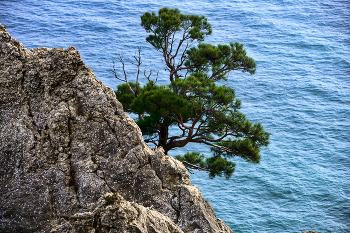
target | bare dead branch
x=148, y=77
x=125, y=76
x=138, y=65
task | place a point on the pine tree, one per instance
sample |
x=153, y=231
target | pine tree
x=203, y=111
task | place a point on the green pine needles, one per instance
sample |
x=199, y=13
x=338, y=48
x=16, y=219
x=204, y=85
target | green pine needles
x=193, y=102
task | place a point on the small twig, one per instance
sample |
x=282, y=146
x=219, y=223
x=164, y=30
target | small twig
x=148, y=77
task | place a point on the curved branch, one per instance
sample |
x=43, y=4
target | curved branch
x=220, y=147
x=171, y=139
x=150, y=141
x=194, y=166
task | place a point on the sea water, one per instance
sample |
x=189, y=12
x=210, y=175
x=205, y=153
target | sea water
x=300, y=94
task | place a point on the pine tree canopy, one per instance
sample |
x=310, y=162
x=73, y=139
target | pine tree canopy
x=193, y=103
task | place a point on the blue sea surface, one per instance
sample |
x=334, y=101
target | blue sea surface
x=300, y=93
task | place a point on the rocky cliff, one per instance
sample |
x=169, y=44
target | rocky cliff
x=73, y=161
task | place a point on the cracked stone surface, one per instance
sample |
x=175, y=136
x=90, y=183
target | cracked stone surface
x=65, y=142
x=115, y=214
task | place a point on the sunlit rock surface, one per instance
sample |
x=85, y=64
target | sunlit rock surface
x=65, y=143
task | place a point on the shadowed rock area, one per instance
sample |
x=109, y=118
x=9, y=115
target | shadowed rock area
x=73, y=161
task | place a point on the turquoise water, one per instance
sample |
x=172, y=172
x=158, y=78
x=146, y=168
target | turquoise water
x=300, y=93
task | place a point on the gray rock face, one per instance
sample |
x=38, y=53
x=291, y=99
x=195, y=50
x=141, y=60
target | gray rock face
x=117, y=215
x=65, y=142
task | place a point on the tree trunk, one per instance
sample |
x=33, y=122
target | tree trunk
x=163, y=138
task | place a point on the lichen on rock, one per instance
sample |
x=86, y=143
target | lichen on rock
x=65, y=143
